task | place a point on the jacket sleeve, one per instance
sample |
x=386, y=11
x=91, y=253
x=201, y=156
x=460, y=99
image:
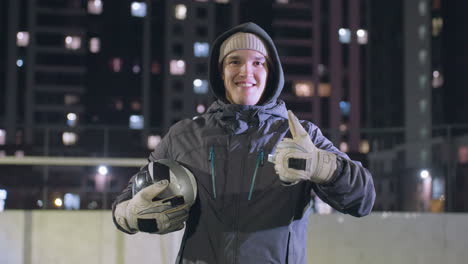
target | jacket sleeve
x=351, y=189
x=160, y=152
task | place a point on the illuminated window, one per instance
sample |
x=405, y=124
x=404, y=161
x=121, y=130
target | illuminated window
x=423, y=105
x=72, y=42
x=200, y=86
x=222, y=1
x=19, y=137
x=155, y=67
x=201, y=108
x=303, y=89
x=364, y=146
x=94, y=45
x=3, y=197
x=71, y=99
x=116, y=64
x=422, y=31
x=95, y=7
x=282, y=1
x=180, y=12
x=135, y=105
x=422, y=8
x=324, y=90
x=362, y=36
x=93, y=205
x=345, y=107
x=72, y=119
x=153, y=141
x=138, y=9
x=19, y=63
x=71, y=201
x=69, y=138
x=437, y=24
x=118, y=104
x=22, y=39
x=201, y=49
x=463, y=154
x=321, y=69
x=422, y=80
x=423, y=132
x=136, y=69
x=177, y=67
x=344, y=147
x=344, y=35
x=422, y=54
x=437, y=79
x=343, y=128
x=136, y=122
x=2, y=137
x=438, y=189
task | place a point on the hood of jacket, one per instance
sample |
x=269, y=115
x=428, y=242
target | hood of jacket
x=275, y=81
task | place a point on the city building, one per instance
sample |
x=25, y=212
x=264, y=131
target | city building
x=418, y=157
x=100, y=78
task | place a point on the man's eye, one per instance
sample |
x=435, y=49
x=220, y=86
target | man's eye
x=259, y=63
x=234, y=62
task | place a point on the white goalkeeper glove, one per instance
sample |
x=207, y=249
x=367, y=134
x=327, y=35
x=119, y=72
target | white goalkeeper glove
x=145, y=213
x=299, y=159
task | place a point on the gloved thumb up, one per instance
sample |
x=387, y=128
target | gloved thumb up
x=298, y=132
x=299, y=159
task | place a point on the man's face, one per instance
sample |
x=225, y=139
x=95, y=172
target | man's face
x=245, y=74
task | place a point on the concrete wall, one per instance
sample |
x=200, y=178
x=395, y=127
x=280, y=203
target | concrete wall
x=389, y=238
x=88, y=237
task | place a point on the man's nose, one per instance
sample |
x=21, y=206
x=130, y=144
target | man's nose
x=246, y=70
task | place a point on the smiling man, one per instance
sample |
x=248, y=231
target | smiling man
x=244, y=68
x=256, y=165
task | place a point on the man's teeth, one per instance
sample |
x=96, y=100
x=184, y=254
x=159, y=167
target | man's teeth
x=245, y=84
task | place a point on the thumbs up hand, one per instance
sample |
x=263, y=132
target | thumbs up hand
x=299, y=159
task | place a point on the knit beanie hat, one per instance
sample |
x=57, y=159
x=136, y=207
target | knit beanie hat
x=242, y=41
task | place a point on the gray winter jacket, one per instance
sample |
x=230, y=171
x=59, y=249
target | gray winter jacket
x=244, y=213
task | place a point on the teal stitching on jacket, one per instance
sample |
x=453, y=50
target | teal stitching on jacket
x=258, y=164
x=211, y=158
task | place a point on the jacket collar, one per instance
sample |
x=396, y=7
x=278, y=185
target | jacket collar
x=239, y=118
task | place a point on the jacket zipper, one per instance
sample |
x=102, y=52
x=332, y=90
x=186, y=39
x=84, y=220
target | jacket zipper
x=237, y=201
x=259, y=163
x=211, y=159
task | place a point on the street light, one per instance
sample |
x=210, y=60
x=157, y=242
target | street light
x=102, y=170
x=58, y=202
x=424, y=174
